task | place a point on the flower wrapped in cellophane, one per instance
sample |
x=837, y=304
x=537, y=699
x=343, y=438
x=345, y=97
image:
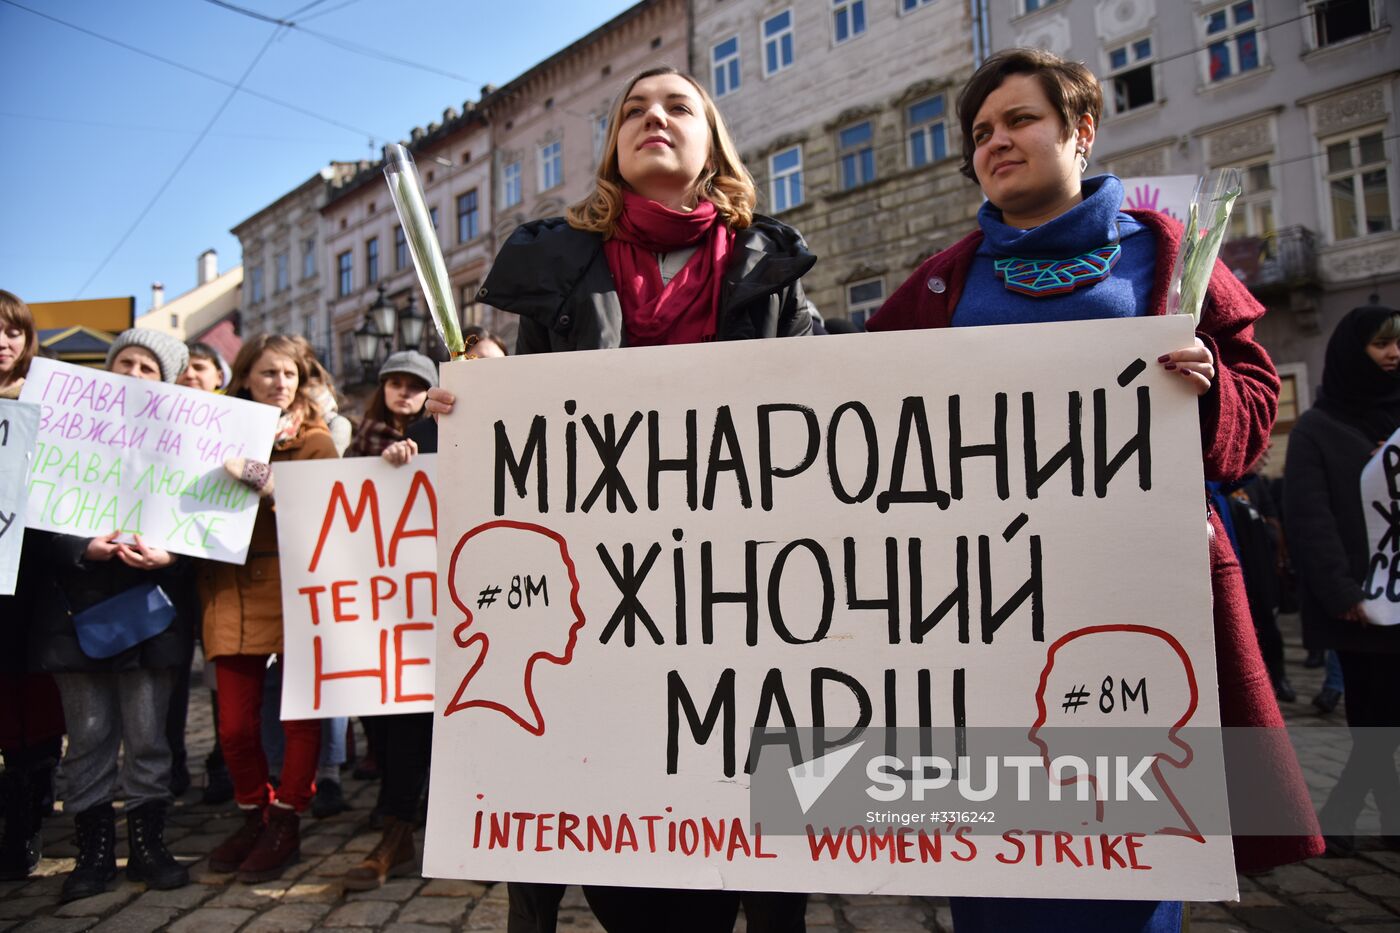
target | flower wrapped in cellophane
x=1206, y=222
x=407, y=190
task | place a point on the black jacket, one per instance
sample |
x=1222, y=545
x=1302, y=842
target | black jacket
x=557, y=279
x=74, y=585
x=17, y=611
x=1326, y=527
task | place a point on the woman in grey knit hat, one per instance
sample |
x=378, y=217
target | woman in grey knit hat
x=116, y=703
x=147, y=354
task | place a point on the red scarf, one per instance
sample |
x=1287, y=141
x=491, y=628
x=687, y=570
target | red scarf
x=684, y=310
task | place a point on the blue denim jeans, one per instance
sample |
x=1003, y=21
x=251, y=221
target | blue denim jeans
x=1333, y=678
x=332, y=730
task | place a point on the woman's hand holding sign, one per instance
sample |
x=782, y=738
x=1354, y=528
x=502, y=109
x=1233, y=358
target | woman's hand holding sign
x=140, y=555
x=1195, y=364
x=400, y=452
x=440, y=402
x=143, y=557
x=103, y=548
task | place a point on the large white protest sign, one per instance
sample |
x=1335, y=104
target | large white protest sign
x=1170, y=194
x=645, y=553
x=18, y=423
x=1380, y=498
x=141, y=457
x=358, y=546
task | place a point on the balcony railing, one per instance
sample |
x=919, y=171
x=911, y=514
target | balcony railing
x=1282, y=260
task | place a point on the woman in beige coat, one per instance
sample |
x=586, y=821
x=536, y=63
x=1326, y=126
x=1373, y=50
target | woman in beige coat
x=243, y=627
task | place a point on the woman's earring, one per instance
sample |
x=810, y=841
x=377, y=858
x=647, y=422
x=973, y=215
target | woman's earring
x=1083, y=160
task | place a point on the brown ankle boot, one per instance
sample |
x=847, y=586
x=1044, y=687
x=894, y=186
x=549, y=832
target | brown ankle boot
x=277, y=848
x=392, y=857
x=230, y=853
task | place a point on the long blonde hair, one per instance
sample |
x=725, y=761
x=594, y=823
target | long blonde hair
x=724, y=182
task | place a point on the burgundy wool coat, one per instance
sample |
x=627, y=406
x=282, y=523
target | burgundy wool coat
x=1237, y=415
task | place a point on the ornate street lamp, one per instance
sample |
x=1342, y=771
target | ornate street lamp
x=411, y=324
x=368, y=340
x=384, y=315
x=374, y=331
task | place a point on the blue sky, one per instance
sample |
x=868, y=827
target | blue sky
x=89, y=131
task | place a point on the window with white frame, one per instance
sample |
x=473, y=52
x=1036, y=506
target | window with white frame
x=282, y=276
x=785, y=168
x=1253, y=214
x=600, y=136
x=1358, y=185
x=308, y=257
x=847, y=19
x=511, y=193
x=1130, y=75
x=1233, y=45
x=863, y=299
x=551, y=165
x=724, y=70
x=856, y=146
x=777, y=43
x=255, y=285
x=1333, y=21
x=928, y=131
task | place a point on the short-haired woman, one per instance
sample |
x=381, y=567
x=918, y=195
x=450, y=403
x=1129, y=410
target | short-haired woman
x=1029, y=122
x=207, y=370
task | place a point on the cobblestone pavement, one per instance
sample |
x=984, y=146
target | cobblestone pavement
x=1361, y=893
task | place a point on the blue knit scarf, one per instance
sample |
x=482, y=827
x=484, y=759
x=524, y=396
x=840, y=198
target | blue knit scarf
x=1093, y=261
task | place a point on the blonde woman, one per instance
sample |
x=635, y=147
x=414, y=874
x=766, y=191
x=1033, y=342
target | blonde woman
x=666, y=249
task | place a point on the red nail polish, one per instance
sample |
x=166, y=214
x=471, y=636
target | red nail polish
x=1164, y=357
x=1170, y=366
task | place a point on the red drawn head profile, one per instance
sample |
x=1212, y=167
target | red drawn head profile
x=1125, y=677
x=517, y=589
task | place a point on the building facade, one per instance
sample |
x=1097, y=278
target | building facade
x=843, y=111
x=549, y=125
x=367, y=251
x=284, y=262
x=1301, y=95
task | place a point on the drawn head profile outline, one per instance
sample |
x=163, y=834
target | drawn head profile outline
x=1083, y=649
x=500, y=576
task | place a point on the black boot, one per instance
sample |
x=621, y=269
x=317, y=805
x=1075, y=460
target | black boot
x=148, y=859
x=97, y=853
x=20, y=847
x=218, y=786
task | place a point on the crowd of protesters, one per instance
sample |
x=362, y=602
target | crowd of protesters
x=668, y=249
